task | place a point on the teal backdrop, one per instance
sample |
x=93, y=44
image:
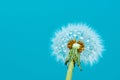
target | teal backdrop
x=26, y=29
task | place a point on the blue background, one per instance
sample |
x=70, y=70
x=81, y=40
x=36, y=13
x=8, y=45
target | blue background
x=27, y=26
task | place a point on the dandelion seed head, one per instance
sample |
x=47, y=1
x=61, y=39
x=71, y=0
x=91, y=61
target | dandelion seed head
x=93, y=47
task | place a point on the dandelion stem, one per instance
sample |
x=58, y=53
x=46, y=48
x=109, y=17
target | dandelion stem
x=70, y=70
